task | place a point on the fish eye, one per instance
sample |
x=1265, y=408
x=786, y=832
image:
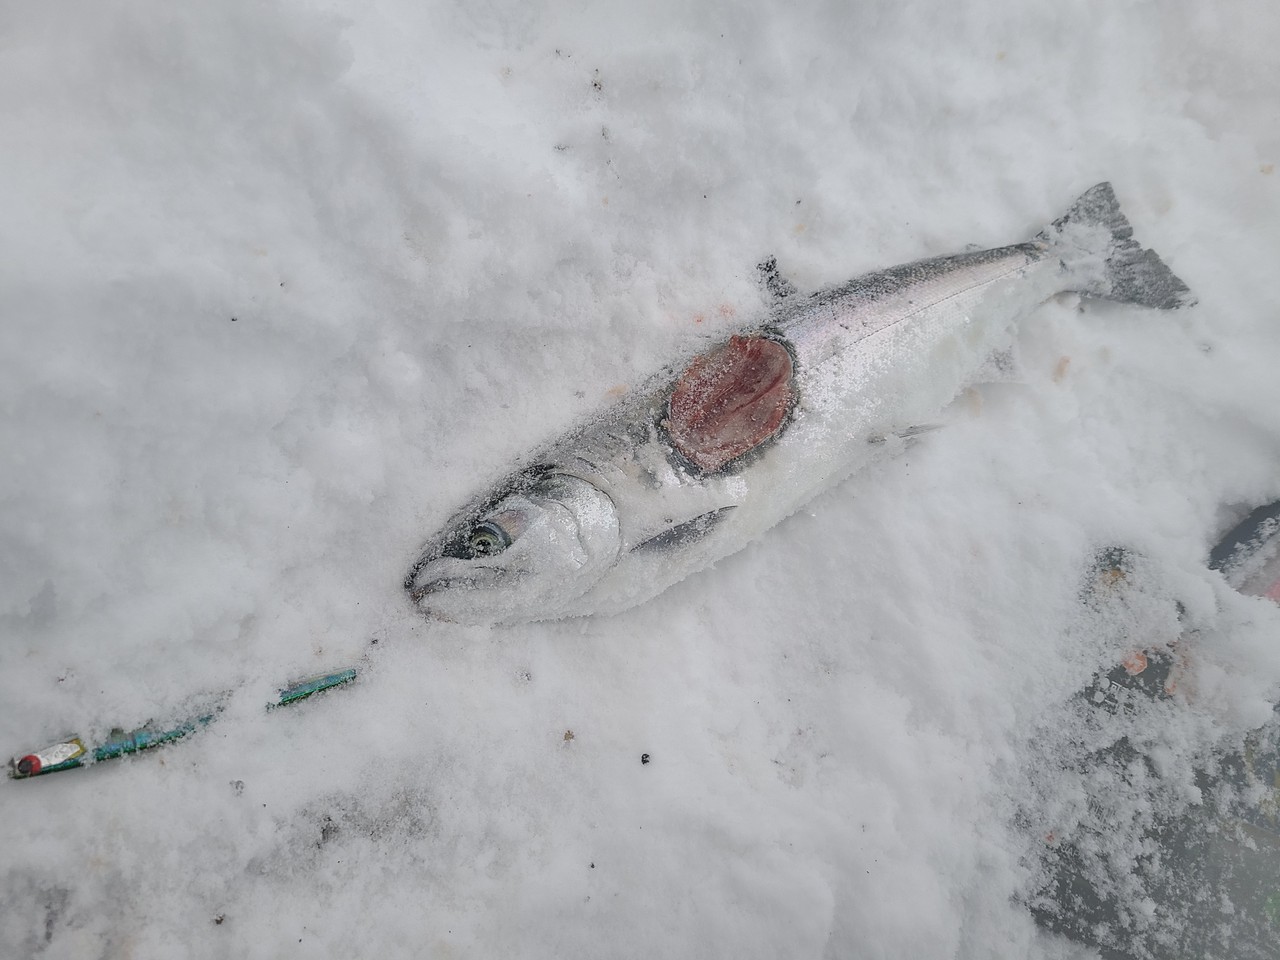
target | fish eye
x=487, y=539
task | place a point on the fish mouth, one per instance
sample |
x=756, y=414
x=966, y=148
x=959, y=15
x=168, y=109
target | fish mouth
x=432, y=599
x=476, y=577
x=435, y=615
x=427, y=558
x=419, y=593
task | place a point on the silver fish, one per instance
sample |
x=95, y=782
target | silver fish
x=716, y=449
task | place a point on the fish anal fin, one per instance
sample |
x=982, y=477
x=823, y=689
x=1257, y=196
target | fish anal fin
x=1000, y=367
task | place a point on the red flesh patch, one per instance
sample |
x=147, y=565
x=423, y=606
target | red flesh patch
x=729, y=401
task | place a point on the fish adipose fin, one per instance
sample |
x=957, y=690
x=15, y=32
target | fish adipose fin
x=1095, y=242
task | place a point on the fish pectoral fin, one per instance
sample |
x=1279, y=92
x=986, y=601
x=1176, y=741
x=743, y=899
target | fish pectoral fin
x=682, y=534
x=774, y=283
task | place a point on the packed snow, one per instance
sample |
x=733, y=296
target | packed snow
x=284, y=285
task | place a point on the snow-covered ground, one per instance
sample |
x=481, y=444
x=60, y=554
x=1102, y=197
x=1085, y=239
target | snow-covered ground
x=282, y=285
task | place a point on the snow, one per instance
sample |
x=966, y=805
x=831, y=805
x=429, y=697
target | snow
x=284, y=285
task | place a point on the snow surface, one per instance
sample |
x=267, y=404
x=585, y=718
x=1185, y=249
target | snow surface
x=284, y=284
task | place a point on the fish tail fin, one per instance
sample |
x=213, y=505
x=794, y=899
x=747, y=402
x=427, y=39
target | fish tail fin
x=1095, y=243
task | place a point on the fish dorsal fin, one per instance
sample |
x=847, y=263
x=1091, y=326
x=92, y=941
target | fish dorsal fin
x=730, y=401
x=775, y=284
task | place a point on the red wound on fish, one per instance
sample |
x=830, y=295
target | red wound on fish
x=729, y=401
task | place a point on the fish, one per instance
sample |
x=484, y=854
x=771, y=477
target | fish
x=716, y=448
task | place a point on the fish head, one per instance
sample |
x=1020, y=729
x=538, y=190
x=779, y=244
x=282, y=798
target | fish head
x=523, y=552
